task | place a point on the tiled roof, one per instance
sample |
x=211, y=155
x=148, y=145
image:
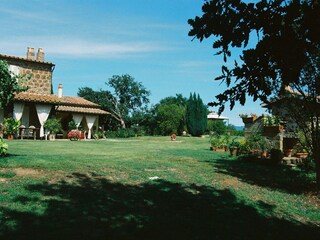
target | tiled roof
x=24, y=59
x=78, y=101
x=40, y=98
x=50, y=98
x=64, y=104
x=81, y=110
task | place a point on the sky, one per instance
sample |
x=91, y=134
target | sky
x=90, y=41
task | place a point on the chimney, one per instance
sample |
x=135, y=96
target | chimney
x=60, y=91
x=40, y=55
x=30, y=53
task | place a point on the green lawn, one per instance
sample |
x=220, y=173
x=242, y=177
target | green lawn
x=150, y=188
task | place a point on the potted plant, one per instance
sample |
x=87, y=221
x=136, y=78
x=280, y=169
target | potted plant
x=302, y=155
x=271, y=125
x=173, y=137
x=248, y=118
x=288, y=145
x=218, y=144
x=264, y=146
x=53, y=126
x=72, y=125
x=10, y=127
x=244, y=146
x=234, y=147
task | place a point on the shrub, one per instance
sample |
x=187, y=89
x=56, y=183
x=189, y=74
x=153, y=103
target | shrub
x=276, y=155
x=309, y=164
x=220, y=141
x=138, y=130
x=234, y=143
x=244, y=147
x=10, y=126
x=218, y=127
x=121, y=133
x=53, y=125
x=72, y=125
x=3, y=148
x=98, y=135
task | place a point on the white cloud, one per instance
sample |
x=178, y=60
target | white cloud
x=29, y=15
x=78, y=48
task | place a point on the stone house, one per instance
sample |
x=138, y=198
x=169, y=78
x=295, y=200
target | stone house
x=34, y=106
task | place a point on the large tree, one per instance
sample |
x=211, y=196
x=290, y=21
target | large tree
x=126, y=97
x=169, y=115
x=284, y=43
x=9, y=84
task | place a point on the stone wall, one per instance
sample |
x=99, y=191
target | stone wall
x=253, y=127
x=257, y=126
x=41, y=74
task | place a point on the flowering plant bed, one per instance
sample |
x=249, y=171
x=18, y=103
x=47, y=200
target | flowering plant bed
x=74, y=135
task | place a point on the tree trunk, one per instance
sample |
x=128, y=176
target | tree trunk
x=123, y=124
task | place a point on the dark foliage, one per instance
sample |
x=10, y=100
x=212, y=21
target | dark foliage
x=9, y=84
x=287, y=37
x=284, y=57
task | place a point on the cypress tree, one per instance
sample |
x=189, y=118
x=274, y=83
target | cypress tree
x=196, y=115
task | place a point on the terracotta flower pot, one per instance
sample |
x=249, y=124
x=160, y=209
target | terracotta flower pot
x=219, y=149
x=10, y=137
x=301, y=155
x=264, y=154
x=288, y=152
x=249, y=119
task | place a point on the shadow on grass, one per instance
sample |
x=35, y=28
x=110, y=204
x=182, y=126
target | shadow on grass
x=93, y=208
x=265, y=174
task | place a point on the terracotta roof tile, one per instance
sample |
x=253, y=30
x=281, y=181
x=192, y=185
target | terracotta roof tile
x=34, y=97
x=50, y=98
x=78, y=101
x=64, y=104
x=81, y=110
x=24, y=59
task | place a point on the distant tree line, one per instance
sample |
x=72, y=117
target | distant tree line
x=127, y=102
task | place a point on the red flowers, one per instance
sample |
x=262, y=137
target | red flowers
x=74, y=135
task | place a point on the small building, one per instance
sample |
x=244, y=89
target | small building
x=213, y=116
x=34, y=106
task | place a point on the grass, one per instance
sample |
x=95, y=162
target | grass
x=150, y=188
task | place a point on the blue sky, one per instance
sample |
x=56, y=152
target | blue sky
x=89, y=41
